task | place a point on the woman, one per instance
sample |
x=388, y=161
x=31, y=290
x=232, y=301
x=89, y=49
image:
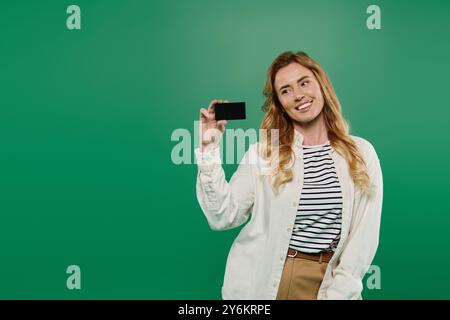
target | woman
x=315, y=217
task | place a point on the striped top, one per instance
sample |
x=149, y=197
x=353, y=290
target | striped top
x=319, y=215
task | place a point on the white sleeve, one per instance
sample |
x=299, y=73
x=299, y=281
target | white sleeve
x=362, y=242
x=225, y=205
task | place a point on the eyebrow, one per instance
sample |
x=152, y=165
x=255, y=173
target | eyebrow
x=299, y=80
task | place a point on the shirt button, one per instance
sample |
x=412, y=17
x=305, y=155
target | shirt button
x=289, y=229
x=294, y=204
x=274, y=284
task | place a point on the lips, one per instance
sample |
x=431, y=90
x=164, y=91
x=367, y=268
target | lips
x=304, y=105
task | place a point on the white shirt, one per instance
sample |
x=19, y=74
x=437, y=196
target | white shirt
x=257, y=255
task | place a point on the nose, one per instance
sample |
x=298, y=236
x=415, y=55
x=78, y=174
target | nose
x=298, y=96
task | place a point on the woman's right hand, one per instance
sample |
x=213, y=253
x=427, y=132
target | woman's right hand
x=211, y=130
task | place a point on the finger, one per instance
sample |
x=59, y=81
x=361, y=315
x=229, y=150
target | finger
x=211, y=105
x=207, y=116
x=221, y=125
x=203, y=113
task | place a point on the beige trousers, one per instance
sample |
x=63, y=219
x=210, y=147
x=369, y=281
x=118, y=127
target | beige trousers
x=301, y=279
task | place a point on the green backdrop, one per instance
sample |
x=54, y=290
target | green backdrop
x=86, y=176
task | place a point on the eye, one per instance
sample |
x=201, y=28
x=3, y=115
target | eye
x=284, y=91
x=304, y=83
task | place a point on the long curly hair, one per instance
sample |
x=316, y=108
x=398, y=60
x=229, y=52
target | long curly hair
x=337, y=127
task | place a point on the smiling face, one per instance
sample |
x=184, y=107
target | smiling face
x=299, y=93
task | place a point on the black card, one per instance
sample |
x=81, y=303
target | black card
x=230, y=111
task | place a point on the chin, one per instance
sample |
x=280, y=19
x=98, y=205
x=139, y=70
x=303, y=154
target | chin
x=305, y=120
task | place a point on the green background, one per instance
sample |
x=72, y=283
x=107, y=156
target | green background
x=86, y=176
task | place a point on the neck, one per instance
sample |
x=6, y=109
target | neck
x=313, y=133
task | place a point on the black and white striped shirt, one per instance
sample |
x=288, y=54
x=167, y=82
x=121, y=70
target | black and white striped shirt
x=319, y=215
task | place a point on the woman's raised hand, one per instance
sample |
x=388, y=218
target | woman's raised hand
x=211, y=130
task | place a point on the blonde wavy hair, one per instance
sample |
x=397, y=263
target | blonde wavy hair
x=337, y=127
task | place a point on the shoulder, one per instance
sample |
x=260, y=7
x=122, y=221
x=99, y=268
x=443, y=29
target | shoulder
x=253, y=157
x=253, y=150
x=250, y=156
x=253, y=154
x=372, y=162
x=365, y=147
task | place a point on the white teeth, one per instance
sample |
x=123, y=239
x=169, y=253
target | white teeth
x=303, y=106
